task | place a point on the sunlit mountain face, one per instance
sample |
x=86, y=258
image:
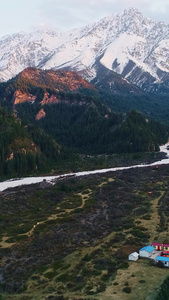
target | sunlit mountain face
x=127, y=43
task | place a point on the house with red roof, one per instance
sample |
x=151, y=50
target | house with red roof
x=156, y=251
x=166, y=247
x=157, y=246
x=165, y=253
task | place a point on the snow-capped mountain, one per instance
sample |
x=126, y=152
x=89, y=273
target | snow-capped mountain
x=128, y=43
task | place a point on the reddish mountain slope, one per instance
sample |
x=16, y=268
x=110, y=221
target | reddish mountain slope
x=56, y=80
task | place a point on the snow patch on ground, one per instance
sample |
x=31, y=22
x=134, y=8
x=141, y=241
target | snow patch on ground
x=32, y=180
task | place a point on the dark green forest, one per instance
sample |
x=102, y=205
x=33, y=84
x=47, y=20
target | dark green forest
x=27, y=150
x=83, y=121
x=93, y=129
x=153, y=106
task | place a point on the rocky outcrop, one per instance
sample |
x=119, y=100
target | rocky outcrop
x=20, y=97
x=49, y=99
x=41, y=114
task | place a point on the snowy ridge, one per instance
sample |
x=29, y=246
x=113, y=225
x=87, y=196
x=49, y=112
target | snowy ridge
x=32, y=180
x=127, y=43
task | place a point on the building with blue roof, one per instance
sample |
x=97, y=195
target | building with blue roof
x=163, y=259
x=146, y=251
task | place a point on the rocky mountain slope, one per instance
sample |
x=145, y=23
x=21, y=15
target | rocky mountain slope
x=69, y=108
x=45, y=86
x=128, y=44
x=55, y=81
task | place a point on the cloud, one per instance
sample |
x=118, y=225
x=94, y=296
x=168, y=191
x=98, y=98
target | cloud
x=75, y=13
x=68, y=14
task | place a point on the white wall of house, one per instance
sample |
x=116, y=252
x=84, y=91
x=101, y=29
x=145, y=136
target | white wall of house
x=133, y=256
x=144, y=253
x=166, y=263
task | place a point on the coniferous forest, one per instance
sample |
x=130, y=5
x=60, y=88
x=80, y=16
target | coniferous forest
x=26, y=150
x=92, y=129
x=82, y=121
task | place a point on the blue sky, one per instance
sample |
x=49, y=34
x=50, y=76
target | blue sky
x=28, y=15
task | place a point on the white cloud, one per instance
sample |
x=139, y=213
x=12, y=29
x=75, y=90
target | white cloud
x=74, y=13
x=66, y=14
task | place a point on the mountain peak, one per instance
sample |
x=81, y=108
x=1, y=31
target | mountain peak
x=127, y=43
x=132, y=11
x=132, y=19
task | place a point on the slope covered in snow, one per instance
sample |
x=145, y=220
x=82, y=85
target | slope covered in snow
x=127, y=43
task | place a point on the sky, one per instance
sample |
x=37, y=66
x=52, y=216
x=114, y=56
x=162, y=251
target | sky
x=30, y=15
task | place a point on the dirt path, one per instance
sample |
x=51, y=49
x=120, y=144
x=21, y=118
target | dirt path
x=154, y=222
x=4, y=244
x=84, y=197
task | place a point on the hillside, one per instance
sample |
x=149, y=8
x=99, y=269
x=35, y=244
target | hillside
x=95, y=130
x=56, y=80
x=71, y=110
x=49, y=87
x=35, y=84
x=71, y=239
x=26, y=150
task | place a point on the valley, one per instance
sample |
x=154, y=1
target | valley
x=72, y=239
x=84, y=180
x=51, y=179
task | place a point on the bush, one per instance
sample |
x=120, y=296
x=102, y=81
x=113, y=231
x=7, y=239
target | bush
x=87, y=257
x=159, y=264
x=49, y=275
x=126, y=289
x=142, y=281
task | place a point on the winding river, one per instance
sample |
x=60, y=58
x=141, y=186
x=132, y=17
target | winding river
x=30, y=180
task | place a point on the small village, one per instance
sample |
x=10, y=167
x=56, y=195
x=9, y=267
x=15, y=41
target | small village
x=156, y=251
